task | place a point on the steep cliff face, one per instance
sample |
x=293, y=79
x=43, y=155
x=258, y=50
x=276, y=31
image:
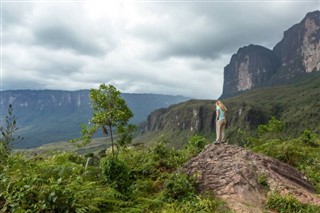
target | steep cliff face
x=44, y=101
x=192, y=115
x=250, y=68
x=293, y=58
x=180, y=121
x=299, y=50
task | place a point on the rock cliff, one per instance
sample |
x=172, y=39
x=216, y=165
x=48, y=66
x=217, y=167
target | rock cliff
x=293, y=58
x=192, y=115
x=179, y=121
x=299, y=50
x=235, y=175
x=251, y=67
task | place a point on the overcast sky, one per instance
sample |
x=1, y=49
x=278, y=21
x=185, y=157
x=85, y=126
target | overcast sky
x=163, y=47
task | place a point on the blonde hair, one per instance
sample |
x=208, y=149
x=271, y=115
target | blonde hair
x=220, y=104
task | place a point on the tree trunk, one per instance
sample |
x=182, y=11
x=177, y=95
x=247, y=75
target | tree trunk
x=111, y=140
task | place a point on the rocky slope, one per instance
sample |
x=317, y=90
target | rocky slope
x=294, y=57
x=234, y=174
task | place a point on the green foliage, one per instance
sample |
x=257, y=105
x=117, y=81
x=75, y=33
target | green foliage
x=140, y=179
x=288, y=203
x=195, y=204
x=58, y=184
x=125, y=134
x=310, y=138
x=167, y=158
x=301, y=152
x=178, y=187
x=246, y=140
x=87, y=132
x=109, y=111
x=196, y=144
x=274, y=126
x=262, y=180
x=7, y=133
x=296, y=153
x=116, y=174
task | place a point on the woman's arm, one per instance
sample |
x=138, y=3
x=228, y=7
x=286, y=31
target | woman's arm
x=217, y=115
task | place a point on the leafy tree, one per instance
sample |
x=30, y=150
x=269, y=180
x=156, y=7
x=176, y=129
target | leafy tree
x=7, y=132
x=109, y=111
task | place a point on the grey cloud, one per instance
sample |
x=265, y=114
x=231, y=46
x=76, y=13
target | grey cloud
x=22, y=83
x=62, y=37
x=159, y=47
x=208, y=30
x=14, y=13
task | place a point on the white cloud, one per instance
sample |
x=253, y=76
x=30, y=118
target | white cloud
x=176, y=47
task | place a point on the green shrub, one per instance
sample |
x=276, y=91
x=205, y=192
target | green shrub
x=310, y=138
x=178, y=187
x=196, y=144
x=166, y=158
x=116, y=173
x=54, y=185
x=140, y=163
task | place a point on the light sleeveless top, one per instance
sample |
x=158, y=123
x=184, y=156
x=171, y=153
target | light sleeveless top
x=221, y=113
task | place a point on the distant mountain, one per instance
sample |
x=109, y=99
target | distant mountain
x=45, y=116
x=295, y=57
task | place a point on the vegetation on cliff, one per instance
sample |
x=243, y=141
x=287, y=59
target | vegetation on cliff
x=295, y=105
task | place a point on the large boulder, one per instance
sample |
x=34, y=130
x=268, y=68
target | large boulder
x=243, y=178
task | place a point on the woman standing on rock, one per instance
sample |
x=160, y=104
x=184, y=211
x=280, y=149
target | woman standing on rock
x=220, y=122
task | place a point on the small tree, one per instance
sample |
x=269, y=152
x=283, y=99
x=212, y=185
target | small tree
x=7, y=131
x=272, y=129
x=109, y=111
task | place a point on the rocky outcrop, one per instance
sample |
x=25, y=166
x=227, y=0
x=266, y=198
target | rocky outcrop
x=250, y=68
x=293, y=58
x=235, y=175
x=194, y=116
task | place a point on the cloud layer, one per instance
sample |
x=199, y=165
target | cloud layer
x=164, y=47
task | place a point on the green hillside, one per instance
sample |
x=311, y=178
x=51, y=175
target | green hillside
x=296, y=105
